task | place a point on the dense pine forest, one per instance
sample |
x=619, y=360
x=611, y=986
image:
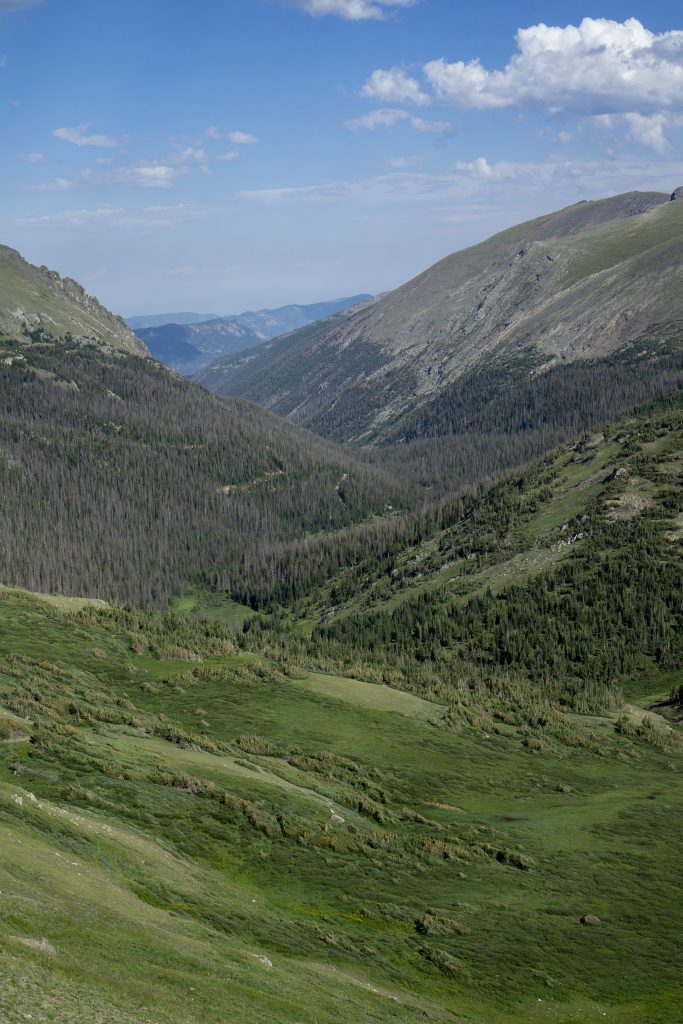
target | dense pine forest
x=123, y=481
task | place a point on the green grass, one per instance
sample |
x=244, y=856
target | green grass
x=205, y=604
x=158, y=902
x=370, y=695
x=610, y=244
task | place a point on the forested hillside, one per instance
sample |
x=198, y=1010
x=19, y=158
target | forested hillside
x=123, y=481
x=553, y=589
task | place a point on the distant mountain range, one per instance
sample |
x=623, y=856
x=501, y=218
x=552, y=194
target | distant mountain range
x=189, y=342
x=159, y=319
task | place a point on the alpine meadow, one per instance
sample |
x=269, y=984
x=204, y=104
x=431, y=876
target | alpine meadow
x=341, y=638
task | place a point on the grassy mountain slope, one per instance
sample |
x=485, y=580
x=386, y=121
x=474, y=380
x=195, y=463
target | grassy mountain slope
x=37, y=300
x=579, y=285
x=196, y=824
x=191, y=347
x=121, y=480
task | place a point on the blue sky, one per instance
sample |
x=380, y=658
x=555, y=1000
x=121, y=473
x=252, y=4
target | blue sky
x=235, y=154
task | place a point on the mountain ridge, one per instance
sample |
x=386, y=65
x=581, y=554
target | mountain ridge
x=36, y=300
x=511, y=296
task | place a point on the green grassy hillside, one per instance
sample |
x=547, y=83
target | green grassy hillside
x=198, y=822
x=187, y=833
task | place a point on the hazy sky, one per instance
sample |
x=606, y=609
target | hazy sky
x=222, y=155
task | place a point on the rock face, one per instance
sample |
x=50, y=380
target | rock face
x=38, y=299
x=677, y=193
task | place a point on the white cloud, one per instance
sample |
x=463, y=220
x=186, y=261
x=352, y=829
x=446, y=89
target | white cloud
x=561, y=182
x=228, y=157
x=242, y=138
x=394, y=86
x=146, y=175
x=194, y=155
x=33, y=158
x=351, y=10
x=78, y=137
x=237, y=138
x=648, y=131
x=597, y=67
x=388, y=117
x=57, y=185
x=480, y=169
x=420, y=125
x=385, y=118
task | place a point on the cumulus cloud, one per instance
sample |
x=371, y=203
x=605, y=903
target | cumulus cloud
x=229, y=157
x=33, y=158
x=597, y=67
x=351, y=10
x=78, y=137
x=394, y=86
x=388, y=117
x=600, y=67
